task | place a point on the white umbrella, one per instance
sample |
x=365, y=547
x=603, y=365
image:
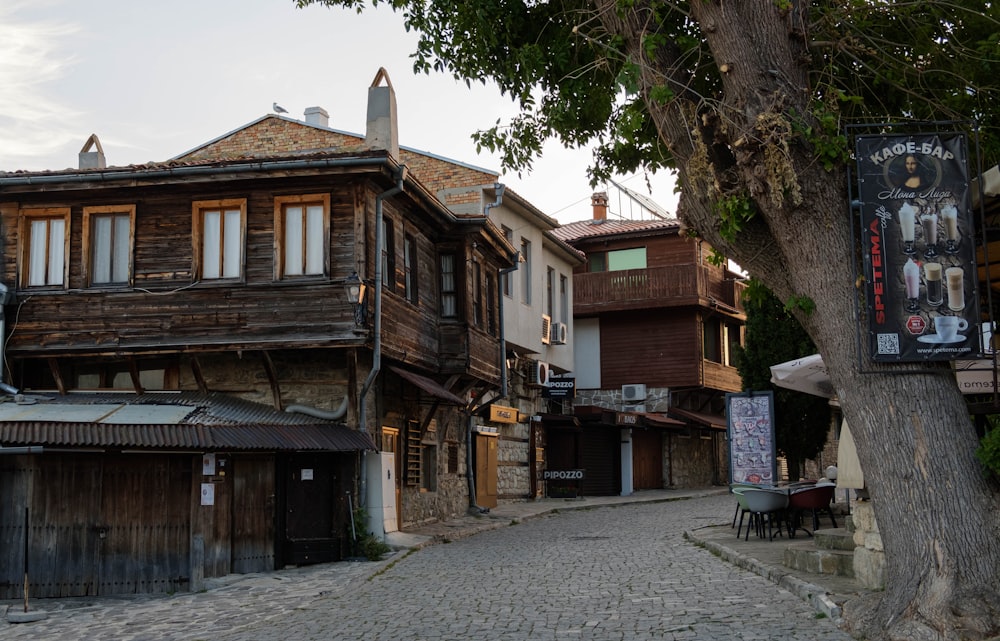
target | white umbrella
x=806, y=374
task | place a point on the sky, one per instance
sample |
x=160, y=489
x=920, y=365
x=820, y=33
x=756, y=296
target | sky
x=154, y=79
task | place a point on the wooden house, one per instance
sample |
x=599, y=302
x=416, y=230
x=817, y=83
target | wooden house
x=655, y=324
x=211, y=362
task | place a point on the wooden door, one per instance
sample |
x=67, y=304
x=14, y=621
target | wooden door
x=392, y=463
x=310, y=532
x=486, y=470
x=647, y=459
x=253, y=514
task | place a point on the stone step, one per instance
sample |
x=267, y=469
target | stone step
x=849, y=523
x=805, y=556
x=834, y=539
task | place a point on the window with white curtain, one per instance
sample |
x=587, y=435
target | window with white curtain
x=449, y=302
x=301, y=235
x=46, y=234
x=107, y=244
x=219, y=238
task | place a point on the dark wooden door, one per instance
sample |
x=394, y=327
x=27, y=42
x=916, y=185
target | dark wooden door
x=310, y=533
x=600, y=449
x=647, y=459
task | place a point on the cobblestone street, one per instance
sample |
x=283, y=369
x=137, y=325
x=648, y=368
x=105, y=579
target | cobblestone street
x=607, y=573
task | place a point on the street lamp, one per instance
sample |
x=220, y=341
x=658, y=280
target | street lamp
x=355, y=290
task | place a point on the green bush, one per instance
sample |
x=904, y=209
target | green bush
x=367, y=544
x=989, y=451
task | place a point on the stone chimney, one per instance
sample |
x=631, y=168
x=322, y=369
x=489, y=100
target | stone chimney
x=381, y=131
x=599, y=201
x=317, y=116
x=92, y=159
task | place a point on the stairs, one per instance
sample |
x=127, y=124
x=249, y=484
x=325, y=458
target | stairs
x=828, y=551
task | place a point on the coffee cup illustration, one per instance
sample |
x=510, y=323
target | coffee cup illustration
x=948, y=327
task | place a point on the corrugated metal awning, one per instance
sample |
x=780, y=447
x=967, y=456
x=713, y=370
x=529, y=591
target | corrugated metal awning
x=196, y=438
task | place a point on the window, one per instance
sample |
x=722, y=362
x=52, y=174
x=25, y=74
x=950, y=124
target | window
x=550, y=290
x=301, y=235
x=563, y=298
x=388, y=255
x=525, y=268
x=477, y=293
x=491, y=308
x=108, y=234
x=617, y=260
x=506, y=281
x=711, y=337
x=219, y=236
x=452, y=458
x=45, y=238
x=410, y=268
x=449, y=303
x=428, y=468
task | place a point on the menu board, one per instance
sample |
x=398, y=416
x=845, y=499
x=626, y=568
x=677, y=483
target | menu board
x=750, y=418
x=918, y=247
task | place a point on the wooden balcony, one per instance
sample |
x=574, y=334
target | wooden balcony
x=675, y=286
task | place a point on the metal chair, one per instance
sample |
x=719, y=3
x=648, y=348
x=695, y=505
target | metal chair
x=814, y=500
x=765, y=506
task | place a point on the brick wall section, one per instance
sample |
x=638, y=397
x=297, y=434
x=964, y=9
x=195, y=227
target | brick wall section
x=275, y=136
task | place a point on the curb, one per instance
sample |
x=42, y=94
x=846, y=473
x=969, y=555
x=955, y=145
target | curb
x=811, y=593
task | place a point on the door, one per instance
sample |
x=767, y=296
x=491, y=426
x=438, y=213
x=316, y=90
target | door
x=310, y=530
x=253, y=514
x=486, y=470
x=391, y=484
x=647, y=459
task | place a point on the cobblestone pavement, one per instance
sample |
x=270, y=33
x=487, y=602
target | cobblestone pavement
x=610, y=573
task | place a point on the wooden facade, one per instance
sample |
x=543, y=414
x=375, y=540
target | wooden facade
x=260, y=332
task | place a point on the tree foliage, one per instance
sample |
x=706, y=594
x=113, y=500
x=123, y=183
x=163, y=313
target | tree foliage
x=750, y=102
x=801, y=421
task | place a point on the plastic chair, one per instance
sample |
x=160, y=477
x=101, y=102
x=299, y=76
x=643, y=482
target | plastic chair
x=741, y=508
x=765, y=506
x=814, y=500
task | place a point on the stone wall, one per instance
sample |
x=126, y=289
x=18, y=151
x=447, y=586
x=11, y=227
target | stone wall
x=869, y=556
x=513, y=473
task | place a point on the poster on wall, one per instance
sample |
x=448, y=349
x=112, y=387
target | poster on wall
x=750, y=418
x=918, y=247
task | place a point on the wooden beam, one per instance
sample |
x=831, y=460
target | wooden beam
x=199, y=377
x=57, y=375
x=272, y=378
x=133, y=372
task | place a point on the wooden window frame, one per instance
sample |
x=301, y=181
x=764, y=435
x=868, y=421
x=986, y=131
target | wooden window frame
x=477, y=294
x=25, y=220
x=198, y=209
x=281, y=203
x=89, y=216
x=526, y=273
x=388, y=256
x=410, y=269
x=452, y=292
x=506, y=279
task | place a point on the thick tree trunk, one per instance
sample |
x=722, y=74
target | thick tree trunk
x=938, y=514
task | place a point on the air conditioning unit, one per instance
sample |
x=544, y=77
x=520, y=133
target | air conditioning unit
x=633, y=393
x=546, y=329
x=559, y=333
x=539, y=373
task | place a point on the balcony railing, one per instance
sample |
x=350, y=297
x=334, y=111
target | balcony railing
x=652, y=287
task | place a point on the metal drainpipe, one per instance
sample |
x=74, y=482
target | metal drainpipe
x=377, y=348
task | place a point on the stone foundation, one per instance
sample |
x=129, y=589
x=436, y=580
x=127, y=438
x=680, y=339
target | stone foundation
x=869, y=557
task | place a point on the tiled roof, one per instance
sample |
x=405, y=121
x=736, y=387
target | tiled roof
x=586, y=229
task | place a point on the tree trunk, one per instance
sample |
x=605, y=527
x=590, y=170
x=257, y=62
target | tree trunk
x=938, y=514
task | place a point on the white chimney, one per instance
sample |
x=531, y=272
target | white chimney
x=92, y=159
x=380, y=132
x=317, y=116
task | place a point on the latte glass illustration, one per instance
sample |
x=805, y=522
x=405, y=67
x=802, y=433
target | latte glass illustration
x=911, y=276
x=928, y=223
x=955, y=279
x=948, y=327
x=907, y=226
x=932, y=278
x=949, y=216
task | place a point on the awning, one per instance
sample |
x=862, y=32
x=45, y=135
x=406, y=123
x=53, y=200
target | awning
x=660, y=420
x=428, y=385
x=807, y=374
x=193, y=438
x=712, y=421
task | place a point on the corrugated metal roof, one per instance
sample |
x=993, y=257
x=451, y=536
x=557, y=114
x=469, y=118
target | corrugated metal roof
x=584, y=229
x=184, y=420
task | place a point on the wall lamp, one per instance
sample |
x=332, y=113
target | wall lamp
x=355, y=290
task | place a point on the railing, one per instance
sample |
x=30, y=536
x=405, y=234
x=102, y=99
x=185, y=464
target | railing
x=659, y=286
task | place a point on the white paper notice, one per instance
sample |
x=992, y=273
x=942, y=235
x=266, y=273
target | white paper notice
x=208, y=464
x=207, y=494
